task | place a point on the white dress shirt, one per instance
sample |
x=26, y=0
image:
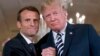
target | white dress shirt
x=26, y=38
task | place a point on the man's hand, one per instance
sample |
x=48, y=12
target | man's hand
x=50, y=51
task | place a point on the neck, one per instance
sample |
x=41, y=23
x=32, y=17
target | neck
x=30, y=37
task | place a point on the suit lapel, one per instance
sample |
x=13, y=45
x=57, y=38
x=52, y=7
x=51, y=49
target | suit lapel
x=49, y=42
x=68, y=39
x=23, y=42
x=51, y=39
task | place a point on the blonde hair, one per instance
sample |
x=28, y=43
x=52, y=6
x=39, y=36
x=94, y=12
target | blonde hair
x=50, y=2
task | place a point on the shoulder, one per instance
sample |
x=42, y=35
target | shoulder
x=43, y=39
x=87, y=29
x=13, y=43
x=40, y=43
x=82, y=26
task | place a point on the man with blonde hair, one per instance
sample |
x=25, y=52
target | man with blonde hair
x=65, y=38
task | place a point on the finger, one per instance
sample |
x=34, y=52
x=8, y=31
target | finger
x=51, y=48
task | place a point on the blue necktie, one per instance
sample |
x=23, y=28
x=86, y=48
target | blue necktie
x=59, y=45
x=32, y=47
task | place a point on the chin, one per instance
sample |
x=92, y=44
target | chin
x=56, y=29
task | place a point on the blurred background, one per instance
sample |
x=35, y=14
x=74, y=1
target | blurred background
x=80, y=12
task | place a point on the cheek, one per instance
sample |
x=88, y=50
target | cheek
x=49, y=24
x=25, y=26
x=37, y=25
x=37, y=28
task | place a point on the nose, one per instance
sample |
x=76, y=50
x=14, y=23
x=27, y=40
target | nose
x=32, y=23
x=52, y=17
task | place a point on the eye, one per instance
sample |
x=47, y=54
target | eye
x=36, y=20
x=27, y=20
x=47, y=15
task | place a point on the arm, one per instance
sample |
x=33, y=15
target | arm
x=94, y=39
x=10, y=51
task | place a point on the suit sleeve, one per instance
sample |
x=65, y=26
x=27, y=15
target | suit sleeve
x=94, y=39
x=10, y=51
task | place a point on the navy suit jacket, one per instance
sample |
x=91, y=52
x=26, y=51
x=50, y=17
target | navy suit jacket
x=17, y=47
x=80, y=40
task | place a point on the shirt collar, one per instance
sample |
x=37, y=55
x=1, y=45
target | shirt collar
x=26, y=38
x=62, y=31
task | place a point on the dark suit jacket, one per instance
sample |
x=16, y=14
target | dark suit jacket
x=17, y=47
x=82, y=42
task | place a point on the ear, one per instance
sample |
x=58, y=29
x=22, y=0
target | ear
x=66, y=14
x=18, y=24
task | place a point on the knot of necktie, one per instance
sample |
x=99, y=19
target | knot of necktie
x=31, y=45
x=59, y=35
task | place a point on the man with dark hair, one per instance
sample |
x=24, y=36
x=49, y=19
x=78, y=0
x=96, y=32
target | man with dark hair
x=28, y=24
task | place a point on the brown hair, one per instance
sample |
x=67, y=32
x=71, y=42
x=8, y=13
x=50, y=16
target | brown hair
x=30, y=8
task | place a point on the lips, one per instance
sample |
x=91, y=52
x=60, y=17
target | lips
x=54, y=23
x=32, y=29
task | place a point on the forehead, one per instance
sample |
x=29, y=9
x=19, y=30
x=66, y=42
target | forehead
x=28, y=12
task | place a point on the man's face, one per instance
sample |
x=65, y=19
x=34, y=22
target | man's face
x=29, y=23
x=55, y=17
